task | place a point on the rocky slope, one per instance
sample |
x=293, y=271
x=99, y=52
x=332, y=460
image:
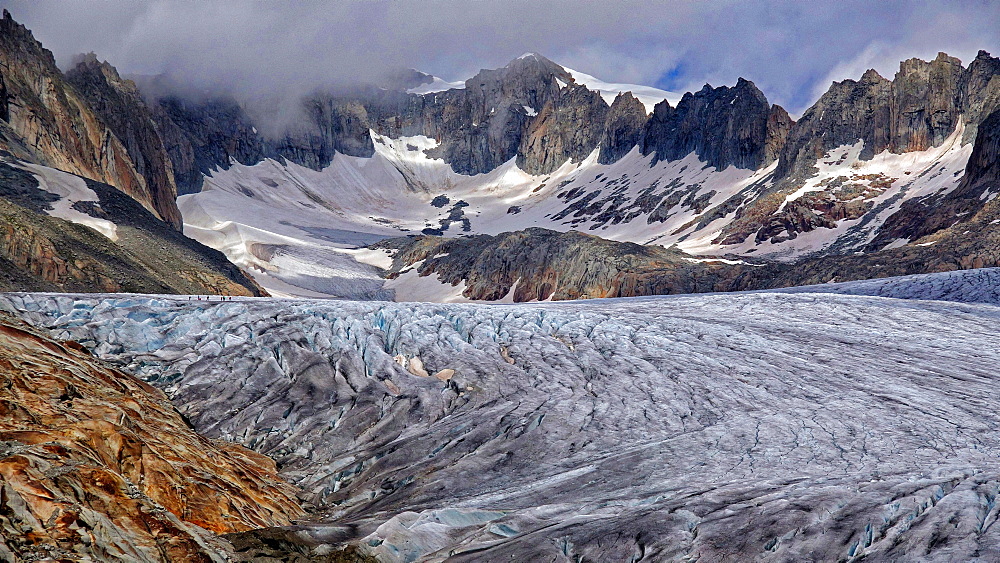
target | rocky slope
x=44, y=246
x=119, y=105
x=97, y=465
x=46, y=120
x=540, y=264
x=924, y=106
x=767, y=427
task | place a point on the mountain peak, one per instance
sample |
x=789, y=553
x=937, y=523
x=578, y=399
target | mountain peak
x=871, y=76
x=532, y=59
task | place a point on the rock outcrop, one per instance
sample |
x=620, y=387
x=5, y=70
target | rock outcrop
x=48, y=122
x=623, y=127
x=200, y=132
x=120, y=106
x=927, y=101
x=540, y=264
x=724, y=126
x=97, y=465
x=920, y=108
x=849, y=111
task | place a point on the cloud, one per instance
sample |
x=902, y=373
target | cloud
x=790, y=49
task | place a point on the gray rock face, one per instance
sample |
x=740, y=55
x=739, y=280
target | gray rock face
x=918, y=218
x=850, y=110
x=918, y=109
x=530, y=110
x=926, y=103
x=570, y=127
x=724, y=126
x=983, y=169
x=623, y=129
x=332, y=125
x=518, y=111
x=203, y=134
x=762, y=427
x=982, y=92
x=779, y=124
x=118, y=103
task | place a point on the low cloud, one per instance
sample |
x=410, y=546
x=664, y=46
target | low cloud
x=792, y=50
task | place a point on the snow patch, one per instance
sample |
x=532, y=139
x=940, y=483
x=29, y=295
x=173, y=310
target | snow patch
x=70, y=189
x=648, y=95
x=435, y=86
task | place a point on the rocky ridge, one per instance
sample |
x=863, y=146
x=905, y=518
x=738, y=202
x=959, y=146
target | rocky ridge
x=45, y=120
x=42, y=252
x=119, y=105
x=921, y=107
x=540, y=264
x=531, y=110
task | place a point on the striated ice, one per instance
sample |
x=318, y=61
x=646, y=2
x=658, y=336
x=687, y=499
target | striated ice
x=755, y=426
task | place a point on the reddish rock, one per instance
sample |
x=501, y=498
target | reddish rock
x=95, y=464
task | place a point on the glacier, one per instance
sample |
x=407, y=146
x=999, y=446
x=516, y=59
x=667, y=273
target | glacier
x=771, y=426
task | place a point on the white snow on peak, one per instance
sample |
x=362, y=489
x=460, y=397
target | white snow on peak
x=648, y=95
x=437, y=85
x=70, y=189
x=528, y=56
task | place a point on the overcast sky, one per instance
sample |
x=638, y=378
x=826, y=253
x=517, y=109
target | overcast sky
x=791, y=50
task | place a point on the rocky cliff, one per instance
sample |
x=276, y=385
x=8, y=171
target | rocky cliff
x=531, y=110
x=926, y=105
x=97, y=465
x=200, y=132
x=918, y=109
x=49, y=122
x=724, y=126
x=120, y=106
x=623, y=127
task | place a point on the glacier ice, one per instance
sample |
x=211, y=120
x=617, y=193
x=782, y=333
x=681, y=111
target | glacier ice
x=766, y=426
